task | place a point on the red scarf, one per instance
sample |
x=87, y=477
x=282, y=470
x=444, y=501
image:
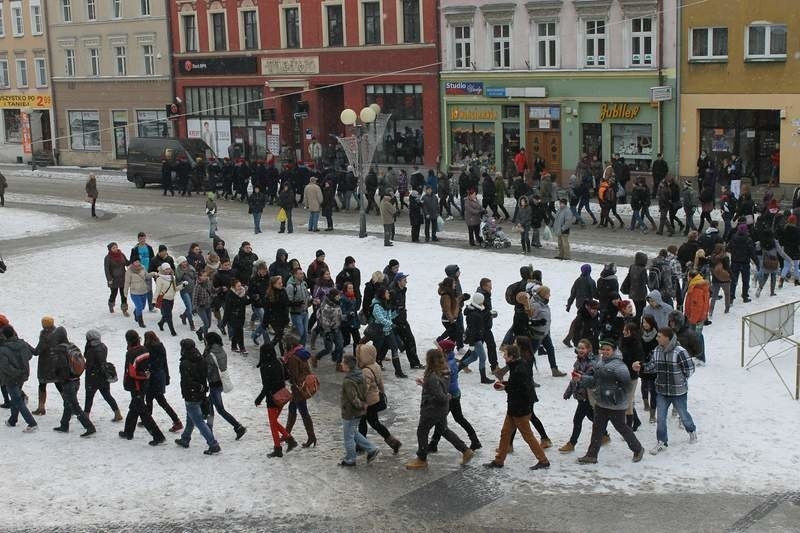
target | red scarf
x=118, y=257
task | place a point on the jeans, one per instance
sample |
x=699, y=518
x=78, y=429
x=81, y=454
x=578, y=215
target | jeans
x=105, y=392
x=166, y=313
x=212, y=226
x=18, y=406
x=333, y=345
x=300, y=323
x=205, y=316
x=353, y=438
x=458, y=417
x=680, y=405
x=689, y=219
x=726, y=290
x=583, y=203
x=187, y=303
x=257, y=221
x=313, y=220
x=574, y=210
x=139, y=303
x=430, y=228
x=602, y=417
x=69, y=393
x=215, y=395
x=194, y=417
x=790, y=266
x=547, y=342
x=477, y=352
x=387, y=234
x=288, y=222
x=525, y=238
x=744, y=270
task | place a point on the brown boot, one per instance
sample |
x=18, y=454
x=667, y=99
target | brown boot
x=416, y=464
x=291, y=418
x=568, y=447
x=124, y=308
x=40, y=411
x=117, y=416
x=546, y=443
x=312, y=439
x=557, y=373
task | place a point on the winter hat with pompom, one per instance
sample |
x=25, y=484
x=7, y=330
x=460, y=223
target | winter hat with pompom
x=447, y=345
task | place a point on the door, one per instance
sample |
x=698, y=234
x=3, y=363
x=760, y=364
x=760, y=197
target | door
x=120, y=119
x=535, y=146
x=552, y=154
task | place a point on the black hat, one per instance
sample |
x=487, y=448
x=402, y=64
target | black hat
x=320, y=253
x=451, y=270
x=349, y=260
x=608, y=342
x=162, y=247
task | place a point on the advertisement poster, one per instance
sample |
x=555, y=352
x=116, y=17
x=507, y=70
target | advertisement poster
x=25, y=121
x=215, y=133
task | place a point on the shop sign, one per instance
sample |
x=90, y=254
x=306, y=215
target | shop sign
x=216, y=66
x=27, y=144
x=463, y=88
x=277, y=66
x=618, y=111
x=460, y=113
x=25, y=100
x=496, y=92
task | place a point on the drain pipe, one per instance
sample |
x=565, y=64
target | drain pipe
x=678, y=64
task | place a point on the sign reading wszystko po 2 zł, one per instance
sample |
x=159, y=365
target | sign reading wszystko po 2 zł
x=35, y=101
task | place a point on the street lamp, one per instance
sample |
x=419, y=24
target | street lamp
x=368, y=126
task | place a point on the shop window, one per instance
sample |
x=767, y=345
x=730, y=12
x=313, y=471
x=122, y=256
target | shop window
x=472, y=141
x=250, y=23
x=403, y=139
x=501, y=45
x=66, y=10
x=547, y=45
x=189, y=33
x=372, y=22
x=708, y=44
x=511, y=112
x=84, y=130
x=17, y=24
x=592, y=139
x=11, y=118
x=291, y=27
x=411, y=21
x=335, y=25
x=511, y=143
x=634, y=142
x=219, y=32
x=766, y=42
x=5, y=82
x=642, y=42
x=595, y=44
x=152, y=123
x=462, y=46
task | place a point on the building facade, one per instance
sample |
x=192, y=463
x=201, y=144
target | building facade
x=297, y=65
x=111, y=76
x=740, y=82
x=561, y=78
x=25, y=101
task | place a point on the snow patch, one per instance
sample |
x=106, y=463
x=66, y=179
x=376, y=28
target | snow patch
x=16, y=223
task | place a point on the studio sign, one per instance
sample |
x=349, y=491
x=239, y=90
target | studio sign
x=618, y=111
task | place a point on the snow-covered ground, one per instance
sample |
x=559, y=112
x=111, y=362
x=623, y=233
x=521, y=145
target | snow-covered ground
x=79, y=203
x=746, y=420
x=68, y=173
x=16, y=223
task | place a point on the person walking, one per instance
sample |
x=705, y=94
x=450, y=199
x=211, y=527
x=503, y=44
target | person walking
x=96, y=355
x=296, y=358
x=273, y=380
x=68, y=384
x=312, y=200
x=194, y=387
x=299, y=301
x=477, y=318
x=135, y=381
x=91, y=192
x=211, y=213
x=472, y=217
x=354, y=408
x=584, y=365
x=673, y=367
x=256, y=203
x=217, y=363
x=114, y=265
x=166, y=289
x=49, y=337
x=186, y=280
x=202, y=298
x=561, y=224
x=159, y=379
x=523, y=221
x=136, y=279
x=365, y=355
x=433, y=411
x=519, y=391
x=15, y=356
x=235, y=314
x=743, y=252
x=610, y=380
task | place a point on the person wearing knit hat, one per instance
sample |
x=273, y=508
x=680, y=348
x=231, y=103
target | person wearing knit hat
x=185, y=281
x=3, y=320
x=583, y=288
x=50, y=337
x=135, y=381
x=477, y=321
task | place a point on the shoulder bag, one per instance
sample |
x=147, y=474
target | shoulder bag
x=224, y=376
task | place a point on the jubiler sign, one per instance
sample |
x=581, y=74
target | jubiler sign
x=618, y=111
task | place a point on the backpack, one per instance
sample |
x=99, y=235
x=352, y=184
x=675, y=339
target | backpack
x=771, y=260
x=74, y=359
x=653, y=278
x=514, y=289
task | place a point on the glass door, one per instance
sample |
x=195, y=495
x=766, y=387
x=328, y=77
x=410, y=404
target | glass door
x=120, y=120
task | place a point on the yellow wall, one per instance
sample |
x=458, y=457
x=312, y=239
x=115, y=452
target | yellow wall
x=737, y=76
x=790, y=134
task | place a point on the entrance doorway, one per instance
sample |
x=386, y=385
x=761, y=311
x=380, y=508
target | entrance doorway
x=120, y=134
x=547, y=145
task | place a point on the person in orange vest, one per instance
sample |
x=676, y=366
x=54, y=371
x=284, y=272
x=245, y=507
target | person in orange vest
x=696, y=306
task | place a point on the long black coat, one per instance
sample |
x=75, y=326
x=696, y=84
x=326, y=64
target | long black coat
x=519, y=389
x=96, y=354
x=273, y=378
x=159, y=369
x=48, y=340
x=194, y=380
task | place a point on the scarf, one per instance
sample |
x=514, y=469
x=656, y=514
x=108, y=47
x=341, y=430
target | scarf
x=117, y=257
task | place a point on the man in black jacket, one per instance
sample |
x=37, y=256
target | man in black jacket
x=281, y=265
x=67, y=384
x=161, y=257
x=659, y=171
x=742, y=252
x=402, y=328
x=135, y=380
x=350, y=273
x=485, y=288
x=194, y=387
x=243, y=262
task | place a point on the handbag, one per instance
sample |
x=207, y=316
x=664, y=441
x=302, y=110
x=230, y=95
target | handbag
x=159, y=301
x=281, y=215
x=720, y=273
x=110, y=372
x=439, y=224
x=381, y=405
x=224, y=376
x=281, y=397
x=547, y=233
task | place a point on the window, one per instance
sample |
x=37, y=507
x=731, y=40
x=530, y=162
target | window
x=144, y=7
x=84, y=130
x=636, y=141
x=218, y=32
x=41, y=71
x=462, y=47
x=642, y=45
x=372, y=22
x=595, y=52
x=2, y=22
x=116, y=9
x=335, y=25
x=69, y=63
x=250, y=23
x=5, y=83
x=37, y=26
x=91, y=10
x=766, y=42
x=411, y=22
x=291, y=21
x=501, y=45
x=66, y=10
x=708, y=44
x=546, y=45
x=22, y=73
x=151, y=123
x=149, y=60
x=403, y=139
x=189, y=33
x=94, y=61
x=122, y=60
x=11, y=117
x=17, y=24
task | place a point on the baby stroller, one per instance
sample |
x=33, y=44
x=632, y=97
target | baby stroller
x=492, y=234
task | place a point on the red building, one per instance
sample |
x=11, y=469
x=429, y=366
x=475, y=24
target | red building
x=307, y=60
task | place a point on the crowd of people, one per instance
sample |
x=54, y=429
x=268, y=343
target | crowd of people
x=617, y=342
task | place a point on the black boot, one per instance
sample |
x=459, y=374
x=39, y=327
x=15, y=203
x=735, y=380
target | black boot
x=398, y=370
x=140, y=321
x=485, y=380
x=312, y=438
x=276, y=452
x=636, y=421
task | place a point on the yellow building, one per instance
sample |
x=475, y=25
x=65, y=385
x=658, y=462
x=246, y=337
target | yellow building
x=740, y=87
